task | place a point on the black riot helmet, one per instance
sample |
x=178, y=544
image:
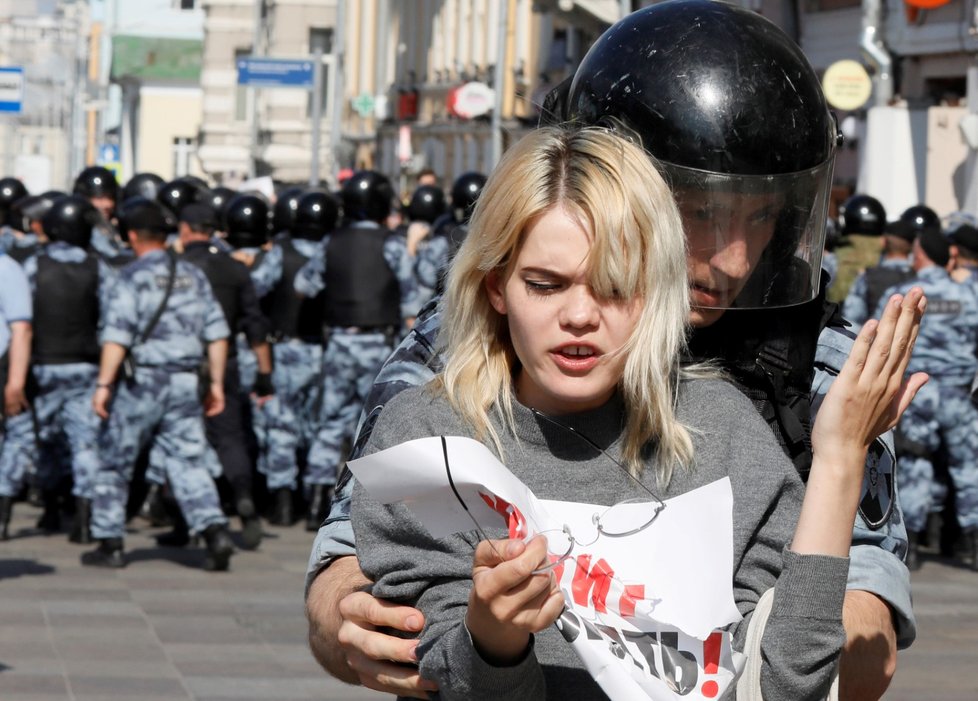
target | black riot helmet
x=862, y=215
x=316, y=215
x=465, y=191
x=70, y=219
x=286, y=206
x=11, y=190
x=30, y=209
x=199, y=183
x=735, y=116
x=220, y=197
x=97, y=181
x=921, y=218
x=177, y=194
x=142, y=185
x=246, y=222
x=427, y=204
x=367, y=196
x=142, y=214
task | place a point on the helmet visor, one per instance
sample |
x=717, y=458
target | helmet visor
x=753, y=241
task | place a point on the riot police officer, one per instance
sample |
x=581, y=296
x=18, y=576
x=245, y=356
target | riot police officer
x=25, y=226
x=160, y=322
x=863, y=219
x=12, y=190
x=894, y=268
x=235, y=292
x=297, y=327
x=370, y=289
x=698, y=82
x=99, y=186
x=68, y=283
x=145, y=185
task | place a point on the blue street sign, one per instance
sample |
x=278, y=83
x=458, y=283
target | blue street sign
x=11, y=89
x=108, y=153
x=260, y=72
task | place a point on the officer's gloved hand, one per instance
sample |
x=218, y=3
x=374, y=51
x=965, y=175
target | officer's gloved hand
x=263, y=389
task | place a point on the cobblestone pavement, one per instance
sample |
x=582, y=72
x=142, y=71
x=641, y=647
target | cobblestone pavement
x=163, y=630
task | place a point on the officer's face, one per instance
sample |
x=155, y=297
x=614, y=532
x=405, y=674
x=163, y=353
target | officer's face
x=105, y=205
x=726, y=234
x=565, y=336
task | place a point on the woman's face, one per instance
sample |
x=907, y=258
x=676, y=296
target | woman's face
x=562, y=333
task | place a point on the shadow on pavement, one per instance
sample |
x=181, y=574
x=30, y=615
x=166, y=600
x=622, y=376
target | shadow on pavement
x=9, y=569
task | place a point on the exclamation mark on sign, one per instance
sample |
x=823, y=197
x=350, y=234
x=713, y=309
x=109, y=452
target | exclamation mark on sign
x=711, y=664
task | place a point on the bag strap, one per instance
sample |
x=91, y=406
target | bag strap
x=166, y=298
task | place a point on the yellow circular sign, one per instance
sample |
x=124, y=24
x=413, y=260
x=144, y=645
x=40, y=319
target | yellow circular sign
x=847, y=85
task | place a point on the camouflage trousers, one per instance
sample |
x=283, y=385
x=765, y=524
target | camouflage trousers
x=18, y=452
x=160, y=408
x=350, y=364
x=288, y=419
x=938, y=414
x=67, y=427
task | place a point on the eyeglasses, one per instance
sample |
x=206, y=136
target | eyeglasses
x=622, y=519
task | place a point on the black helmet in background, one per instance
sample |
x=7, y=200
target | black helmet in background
x=246, y=222
x=465, y=192
x=219, y=198
x=427, y=204
x=316, y=215
x=70, y=219
x=862, y=215
x=199, y=183
x=96, y=181
x=11, y=190
x=286, y=206
x=735, y=116
x=367, y=196
x=177, y=194
x=142, y=185
x=140, y=213
x=921, y=218
x=30, y=209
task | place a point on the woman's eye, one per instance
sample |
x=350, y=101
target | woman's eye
x=541, y=287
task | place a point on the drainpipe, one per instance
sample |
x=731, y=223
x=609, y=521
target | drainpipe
x=874, y=50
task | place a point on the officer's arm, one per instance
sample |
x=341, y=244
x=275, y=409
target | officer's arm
x=217, y=355
x=19, y=358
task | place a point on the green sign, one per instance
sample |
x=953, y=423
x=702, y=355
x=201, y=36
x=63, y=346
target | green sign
x=363, y=104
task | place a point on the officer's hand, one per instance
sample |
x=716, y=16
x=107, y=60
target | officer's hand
x=214, y=401
x=383, y=662
x=14, y=400
x=264, y=389
x=100, y=401
x=244, y=257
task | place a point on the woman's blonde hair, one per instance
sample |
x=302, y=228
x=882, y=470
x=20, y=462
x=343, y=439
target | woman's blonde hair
x=617, y=195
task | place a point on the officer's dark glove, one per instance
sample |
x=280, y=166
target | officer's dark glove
x=263, y=385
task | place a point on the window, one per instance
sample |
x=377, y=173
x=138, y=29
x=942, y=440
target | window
x=183, y=149
x=322, y=39
x=185, y=4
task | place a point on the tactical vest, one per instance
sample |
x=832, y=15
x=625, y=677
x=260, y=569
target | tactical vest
x=879, y=280
x=22, y=253
x=214, y=265
x=66, y=312
x=769, y=355
x=291, y=315
x=361, y=290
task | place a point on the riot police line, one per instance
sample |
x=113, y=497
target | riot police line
x=199, y=353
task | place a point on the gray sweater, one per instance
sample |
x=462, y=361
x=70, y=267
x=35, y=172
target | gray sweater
x=804, y=633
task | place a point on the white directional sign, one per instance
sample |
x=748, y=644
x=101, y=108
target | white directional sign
x=11, y=89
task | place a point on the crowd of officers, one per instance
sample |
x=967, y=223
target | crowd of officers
x=937, y=438
x=196, y=353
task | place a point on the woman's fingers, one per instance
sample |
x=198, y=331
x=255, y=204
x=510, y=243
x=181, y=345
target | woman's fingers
x=881, y=346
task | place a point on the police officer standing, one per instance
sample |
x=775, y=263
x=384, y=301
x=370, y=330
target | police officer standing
x=160, y=321
x=370, y=290
x=68, y=284
x=235, y=292
x=99, y=186
x=872, y=283
x=863, y=219
x=448, y=232
x=15, y=357
x=942, y=410
x=11, y=192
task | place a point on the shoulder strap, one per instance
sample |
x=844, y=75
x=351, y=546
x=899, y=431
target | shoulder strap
x=166, y=298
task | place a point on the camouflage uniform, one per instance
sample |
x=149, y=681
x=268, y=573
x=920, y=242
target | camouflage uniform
x=856, y=308
x=351, y=361
x=859, y=252
x=879, y=540
x=162, y=404
x=66, y=424
x=17, y=432
x=943, y=410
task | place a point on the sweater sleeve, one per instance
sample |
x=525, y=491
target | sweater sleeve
x=410, y=566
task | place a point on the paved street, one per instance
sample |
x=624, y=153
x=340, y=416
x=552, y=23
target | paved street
x=162, y=630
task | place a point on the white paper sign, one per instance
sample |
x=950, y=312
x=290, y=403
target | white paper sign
x=644, y=611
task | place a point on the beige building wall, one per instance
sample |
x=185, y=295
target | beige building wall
x=168, y=114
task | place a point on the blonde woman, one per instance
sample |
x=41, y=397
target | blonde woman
x=565, y=315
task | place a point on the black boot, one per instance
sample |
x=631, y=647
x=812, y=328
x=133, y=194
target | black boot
x=108, y=554
x=969, y=544
x=282, y=507
x=913, y=551
x=50, y=521
x=179, y=536
x=322, y=497
x=6, y=509
x=154, y=507
x=81, y=528
x=250, y=523
x=219, y=547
